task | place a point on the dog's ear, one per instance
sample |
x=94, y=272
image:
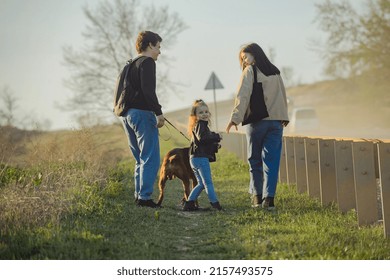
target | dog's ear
x=172, y=158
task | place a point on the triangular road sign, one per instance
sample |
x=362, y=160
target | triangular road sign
x=213, y=82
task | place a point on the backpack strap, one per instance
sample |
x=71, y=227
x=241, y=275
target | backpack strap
x=127, y=72
x=255, y=73
x=257, y=109
x=129, y=63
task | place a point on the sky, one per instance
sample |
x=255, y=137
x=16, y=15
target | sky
x=33, y=34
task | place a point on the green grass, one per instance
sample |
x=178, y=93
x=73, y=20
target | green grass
x=102, y=222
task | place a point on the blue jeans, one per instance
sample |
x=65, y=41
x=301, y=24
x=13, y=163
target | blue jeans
x=264, y=140
x=202, y=171
x=142, y=132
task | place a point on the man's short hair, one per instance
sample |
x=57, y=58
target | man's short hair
x=145, y=38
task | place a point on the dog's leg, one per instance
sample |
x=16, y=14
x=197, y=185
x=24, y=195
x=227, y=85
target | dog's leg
x=186, y=188
x=194, y=183
x=161, y=186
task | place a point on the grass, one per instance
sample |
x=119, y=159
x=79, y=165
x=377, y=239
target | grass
x=89, y=218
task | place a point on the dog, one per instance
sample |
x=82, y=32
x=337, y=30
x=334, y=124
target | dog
x=176, y=164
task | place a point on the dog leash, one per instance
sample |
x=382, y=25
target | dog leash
x=177, y=129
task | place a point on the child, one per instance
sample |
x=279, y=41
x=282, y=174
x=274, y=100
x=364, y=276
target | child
x=204, y=145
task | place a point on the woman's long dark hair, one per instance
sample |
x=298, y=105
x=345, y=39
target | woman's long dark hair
x=261, y=60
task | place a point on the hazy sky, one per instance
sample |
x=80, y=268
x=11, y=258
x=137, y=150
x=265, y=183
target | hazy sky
x=32, y=34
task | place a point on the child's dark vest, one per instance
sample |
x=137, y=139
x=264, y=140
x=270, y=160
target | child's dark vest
x=257, y=110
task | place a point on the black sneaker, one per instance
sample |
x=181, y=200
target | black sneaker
x=146, y=203
x=257, y=200
x=189, y=206
x=216, y=205
x=268, y=204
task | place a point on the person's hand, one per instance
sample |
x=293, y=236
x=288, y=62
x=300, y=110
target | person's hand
x=160, y=121
x=285, y=123
x=229, y=126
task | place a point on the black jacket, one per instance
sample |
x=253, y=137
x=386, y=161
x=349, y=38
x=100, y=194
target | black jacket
x=143, y=80
x=204, y=143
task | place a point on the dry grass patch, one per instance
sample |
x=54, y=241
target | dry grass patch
x=41, y=173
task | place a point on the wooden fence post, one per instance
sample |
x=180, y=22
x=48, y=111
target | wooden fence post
x=231, y=143
x=291, y=180
x=244, y=150
x=283, y=162
x=300, y=164
x=384, y=176
x=327, y=172
x=226, y=142
x=312, y=167
x=365, y=182
x=376, y=160
x=345, y=182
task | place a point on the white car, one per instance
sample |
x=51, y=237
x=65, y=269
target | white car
x=303, y=120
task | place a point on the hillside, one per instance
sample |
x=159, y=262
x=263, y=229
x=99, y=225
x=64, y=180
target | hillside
x=341, y=109
x=68, y=195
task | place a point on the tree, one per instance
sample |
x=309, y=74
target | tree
x=357, y=44
x=287, y=72
x=7, y=113
x=288, y=76
x=109, y=42
x=10, y=116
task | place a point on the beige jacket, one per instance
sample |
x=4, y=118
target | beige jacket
x=274, y=95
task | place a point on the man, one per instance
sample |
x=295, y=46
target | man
x=142, y=120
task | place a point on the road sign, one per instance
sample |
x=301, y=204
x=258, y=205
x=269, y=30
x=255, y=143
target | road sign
x=214, y=84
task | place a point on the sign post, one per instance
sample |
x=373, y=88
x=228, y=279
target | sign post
x=214, y=83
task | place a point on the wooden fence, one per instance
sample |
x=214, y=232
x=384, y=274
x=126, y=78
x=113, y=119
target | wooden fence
x=352, y=173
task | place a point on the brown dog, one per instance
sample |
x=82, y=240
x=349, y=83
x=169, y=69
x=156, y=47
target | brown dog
x=176, y=164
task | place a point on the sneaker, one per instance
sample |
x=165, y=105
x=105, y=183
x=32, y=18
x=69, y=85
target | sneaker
x=146, y=203
x=257, y=200
x=216, y=205
x=268, y=204
x=189, y=206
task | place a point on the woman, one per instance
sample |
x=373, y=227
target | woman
x=261, y=105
